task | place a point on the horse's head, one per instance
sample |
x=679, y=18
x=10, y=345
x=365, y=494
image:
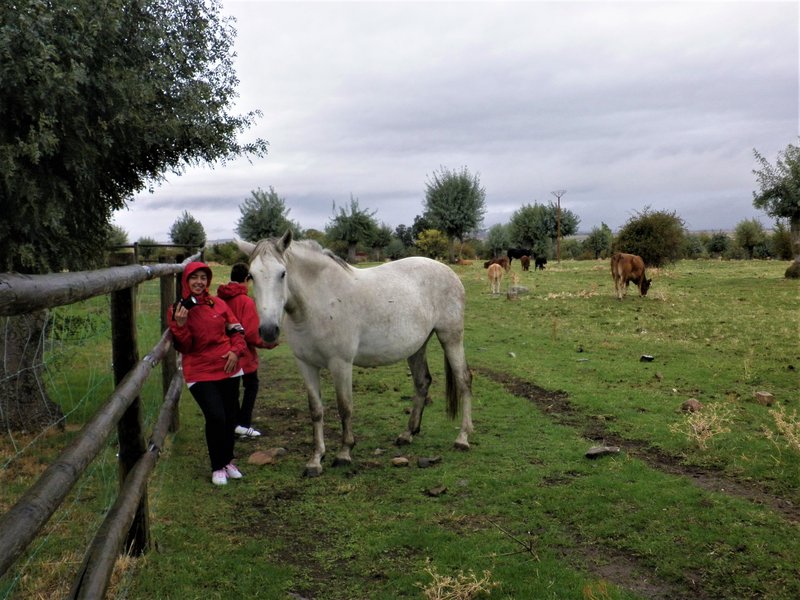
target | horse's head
x=268, y=269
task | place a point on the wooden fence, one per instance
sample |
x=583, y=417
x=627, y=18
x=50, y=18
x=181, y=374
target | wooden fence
x=126, y=525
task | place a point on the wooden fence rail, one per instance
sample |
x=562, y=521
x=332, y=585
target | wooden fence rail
x=21, y=294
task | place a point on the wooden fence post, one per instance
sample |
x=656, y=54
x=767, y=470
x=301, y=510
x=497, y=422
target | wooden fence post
x=170, y=364
x=125, y=355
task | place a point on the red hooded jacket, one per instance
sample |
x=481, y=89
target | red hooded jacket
x=204, y=339
x=244, y=308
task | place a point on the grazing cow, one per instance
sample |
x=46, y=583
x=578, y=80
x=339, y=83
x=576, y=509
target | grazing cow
x=502, y=261
x=513, y=253
x=526, y=262
x=495, y=274
x=539, y=262
x=626, y=268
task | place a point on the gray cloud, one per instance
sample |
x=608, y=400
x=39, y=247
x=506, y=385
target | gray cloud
x=623, y=104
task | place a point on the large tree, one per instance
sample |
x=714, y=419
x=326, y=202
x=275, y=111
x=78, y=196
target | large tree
x=188, y=232
x=531, y=227
x=455, y=202
x=498, y=240
x=99, y=100
x=352, y=225
x=748, y=234
x=779, y=195
x=264, y=215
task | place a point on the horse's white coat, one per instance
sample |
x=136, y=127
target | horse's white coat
x=335, y=316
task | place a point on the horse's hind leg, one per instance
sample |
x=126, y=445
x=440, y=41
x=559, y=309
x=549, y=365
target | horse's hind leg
x=342, y=374
x=458, y=384
x=418, y=363
x=311, y=378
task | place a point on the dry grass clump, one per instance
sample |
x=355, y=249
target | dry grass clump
x=702, y=426
x=788, y=428
x=461, y=587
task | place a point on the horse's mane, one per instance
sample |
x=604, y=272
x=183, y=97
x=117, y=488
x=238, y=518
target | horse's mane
x=309, y=245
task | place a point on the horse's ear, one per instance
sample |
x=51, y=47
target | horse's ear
x=284, y=242
x=245, y=247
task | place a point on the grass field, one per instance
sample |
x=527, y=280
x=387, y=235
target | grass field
x=694, y=505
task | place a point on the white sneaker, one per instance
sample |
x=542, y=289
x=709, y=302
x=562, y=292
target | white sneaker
x=246, y=432
x=232, y=472
x=220, y=477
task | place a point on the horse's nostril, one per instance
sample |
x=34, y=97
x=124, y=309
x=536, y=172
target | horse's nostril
x=269, y=333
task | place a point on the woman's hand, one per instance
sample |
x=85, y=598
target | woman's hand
x=181, y=315
x=231, y=360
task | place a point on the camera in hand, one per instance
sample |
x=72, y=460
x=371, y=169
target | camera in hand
x=188, y=303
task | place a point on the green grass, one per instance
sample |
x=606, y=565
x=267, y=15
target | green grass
x=661, y=519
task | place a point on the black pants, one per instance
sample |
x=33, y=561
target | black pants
x=250, y=385
x=219, y=401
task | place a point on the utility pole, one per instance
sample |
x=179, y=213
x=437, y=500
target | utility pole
x=558, y=194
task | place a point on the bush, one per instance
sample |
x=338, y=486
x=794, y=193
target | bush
x=658, y=237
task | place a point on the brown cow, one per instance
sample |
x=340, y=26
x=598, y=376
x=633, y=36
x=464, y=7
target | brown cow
x=502, y=261
x=495, y=275
x=525, y=261
x=626, y=268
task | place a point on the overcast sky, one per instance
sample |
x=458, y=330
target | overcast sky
x=622, y=104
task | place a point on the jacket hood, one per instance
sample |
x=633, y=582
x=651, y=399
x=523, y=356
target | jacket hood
x=187, y=272
x=231, y=290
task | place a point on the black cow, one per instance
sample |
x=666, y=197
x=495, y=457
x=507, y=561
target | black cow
x=517, y=253
x=539, y=262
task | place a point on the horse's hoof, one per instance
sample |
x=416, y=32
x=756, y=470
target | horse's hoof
x=463, y=446
x=342, y=462
x=402, y=440
x=312, y=472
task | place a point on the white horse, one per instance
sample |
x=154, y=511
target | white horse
x=337, y=316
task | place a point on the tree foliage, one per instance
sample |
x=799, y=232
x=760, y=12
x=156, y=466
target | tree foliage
x=352, y=225
x=718, y=243
x=498, y=240
x=748, y=234
x=433, y=243
x=100, y=100
x=531, y=227
x=779, y=195
x=599, y=241
x=264, y=215
x=455, y=202
x=188, y=232
x=656, y=236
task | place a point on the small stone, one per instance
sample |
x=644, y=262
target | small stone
x=378, y=451
x=765, y=398
x=266, y=457
x=399, y=461
x=512, y=355
x=436, y=491
x=424, y=462
x=646, y=358
x=691, y=405
x=598, y=451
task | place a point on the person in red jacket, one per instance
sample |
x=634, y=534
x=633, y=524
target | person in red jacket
x=244, y=308
x=211, y=342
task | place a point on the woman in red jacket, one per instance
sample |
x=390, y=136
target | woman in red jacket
x=243, y=307
x=211, y=341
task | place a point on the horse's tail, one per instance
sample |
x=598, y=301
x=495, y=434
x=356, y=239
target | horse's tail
x=451, y=391
x=451, y=388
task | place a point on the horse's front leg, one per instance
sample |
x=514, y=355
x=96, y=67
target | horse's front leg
x=311, y=378
x=342, y=375
x=421, y=375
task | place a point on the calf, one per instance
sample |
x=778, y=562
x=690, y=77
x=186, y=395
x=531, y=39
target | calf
x=525, y=261
x=502, y=261
x=495, y=275
x=539, y=262
x=626, y=268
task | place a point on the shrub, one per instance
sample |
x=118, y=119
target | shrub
x=658, y=237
